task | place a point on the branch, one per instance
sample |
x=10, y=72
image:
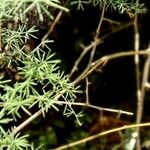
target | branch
x=90, y=138
x=95, y=43
x=87, y=91
x=90, y=46
x=138, y=82
x=95, y=107
x=34, y=116
x=53, y=25
x=103, y=60
x=26, y=122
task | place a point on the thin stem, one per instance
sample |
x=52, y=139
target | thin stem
x=34, y=116
x=87, y=91
x=90, y=138
x=59, y=15
x=139, y=93
x=53, y=25
x=103, y=60
x=96, y=40
x=84, y=52
x=95, y=107
x=97, y=34
x=140, y=102
x=112, y=21
x=89, y=47
x=26, y=122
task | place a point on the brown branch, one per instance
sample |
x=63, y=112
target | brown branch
x=34, y=116
x=103, y=60
x=95, y=43
x=141, y=98
x=95, y=107
x=84, y=52
x=138, y=81
x=112, y=21
x=87, y=91
x=53, y=25
x=26, y=122
x=90, y=138
x=90, y=46
x=96, y=64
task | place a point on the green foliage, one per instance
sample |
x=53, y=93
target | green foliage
x=123, y=6
x=14, y=41
x=48, y=139
x=13, y=142
x=19, y=8
x=40, y=83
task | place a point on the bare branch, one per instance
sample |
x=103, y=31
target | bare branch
x=53, y=25
x=138, y=82
x=95, y=107
x=90, y=138
x=87, y=91
x=90, y=46
x=95, y=43
x=101, y=62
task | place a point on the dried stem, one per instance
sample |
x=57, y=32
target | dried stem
x=53, y=25
x=90, y=138
x=141, y=98
x=95, y=107
x=34, y=116
x=96, y=64
x=112, y=21
x=95, y=43
x=138, y=81
x=87, y=91
x=103, y=60
x=26, y=122
x=89, y=47
x=84, y=52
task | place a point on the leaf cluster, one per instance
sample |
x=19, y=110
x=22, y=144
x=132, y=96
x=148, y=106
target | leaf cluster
x=40, y=82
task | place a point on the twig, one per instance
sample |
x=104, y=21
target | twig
x=103, y=60
x=96, y=42
x=96, y=64
x=87, y=91
x=138, y=82
x=141, y=98
x=144, y=81
x=84, y=52
x=34, y=116
x=90, y=138
x=94, y=107
x=38, y=113
x=99, y=41
x=53, y=25
x=97, y=35
x=126, y=25
x=26, y=122
x=112, y=21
